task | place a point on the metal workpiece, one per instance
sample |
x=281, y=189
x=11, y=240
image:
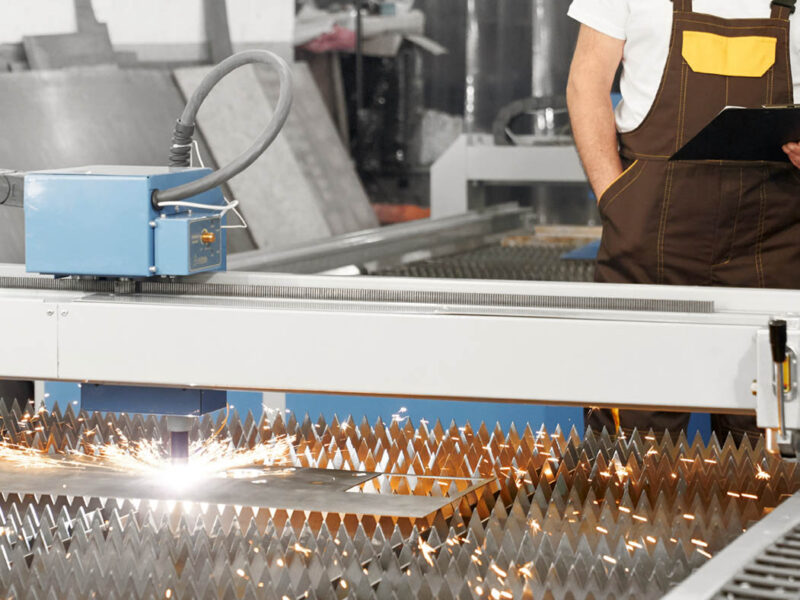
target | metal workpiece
x=564, y=517
x=391, y=246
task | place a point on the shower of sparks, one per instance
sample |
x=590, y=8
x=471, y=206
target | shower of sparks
x=209, y=459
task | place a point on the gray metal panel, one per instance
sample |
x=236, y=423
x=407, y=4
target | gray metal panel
x=100, y=115
x=280, y=193
x=12, y=235
x=387, y=246
x=323, y=157
x=277, y=200
x=70, y=50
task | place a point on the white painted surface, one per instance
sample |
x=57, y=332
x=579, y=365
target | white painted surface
x=141, y=22
x=464, y=164
x=32, y=343
x=592, y=363
x=631, y=358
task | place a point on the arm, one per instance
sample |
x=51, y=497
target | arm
x=793, y=151
x=594, y=66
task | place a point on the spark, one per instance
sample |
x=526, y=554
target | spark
x=749, y=496
x=499, y=571
x=734, y=495
x=602, y=530
x=700, y=543
x=704, y=553
x=609, y=559
x=762, y=474
x=625, y=509
x=651, y=539
x=304, y=551
x=525, y=571
x=427, y=550
x=688, y=517
x=636, y=545
x=535, y=527
x=640, y=518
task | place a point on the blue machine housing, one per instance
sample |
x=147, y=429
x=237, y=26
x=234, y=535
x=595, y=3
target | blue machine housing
x=155, y=401
x=100, y=221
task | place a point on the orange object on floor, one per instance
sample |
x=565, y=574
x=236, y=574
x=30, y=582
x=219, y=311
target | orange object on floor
x=389, y=214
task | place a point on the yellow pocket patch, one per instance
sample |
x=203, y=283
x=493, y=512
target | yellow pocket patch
x=749, y=56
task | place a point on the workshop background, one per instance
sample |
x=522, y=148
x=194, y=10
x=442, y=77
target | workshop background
x=428, y=147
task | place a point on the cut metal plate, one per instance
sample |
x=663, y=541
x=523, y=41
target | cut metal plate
x=288, y=488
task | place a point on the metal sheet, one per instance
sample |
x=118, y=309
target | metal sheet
x=323, y=157
x=287, y=488
x=280, y=193
x=61, y=51
x=12, y=235
x=388, y=246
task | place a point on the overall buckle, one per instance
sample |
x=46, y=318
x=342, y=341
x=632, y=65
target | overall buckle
x=790, y=4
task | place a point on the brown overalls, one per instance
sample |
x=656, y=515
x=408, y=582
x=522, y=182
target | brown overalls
x=704, y=223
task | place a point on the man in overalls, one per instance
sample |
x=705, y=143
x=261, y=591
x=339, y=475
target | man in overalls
x=685, y=223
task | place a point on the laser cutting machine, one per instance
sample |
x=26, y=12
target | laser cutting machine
x=125, y=286
x=125, y=291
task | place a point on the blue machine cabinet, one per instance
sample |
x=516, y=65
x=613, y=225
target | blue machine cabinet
x=101, y=221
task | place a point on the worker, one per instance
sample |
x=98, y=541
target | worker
x=685, y=223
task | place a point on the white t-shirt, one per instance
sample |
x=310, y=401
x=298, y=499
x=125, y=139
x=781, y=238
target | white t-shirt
x=646, y=26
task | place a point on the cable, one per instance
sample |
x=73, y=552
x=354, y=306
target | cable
x=220, y=209
x=180, y=153
x=242, y=222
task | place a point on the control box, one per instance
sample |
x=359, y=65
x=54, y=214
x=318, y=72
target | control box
x=101, y=221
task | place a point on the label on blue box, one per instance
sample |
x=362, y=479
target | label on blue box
x=205, y=249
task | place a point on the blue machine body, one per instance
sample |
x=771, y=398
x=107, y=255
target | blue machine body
x=100, y=221
x=155, y=401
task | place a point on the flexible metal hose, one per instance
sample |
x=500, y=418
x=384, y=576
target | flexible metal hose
x=180, y=153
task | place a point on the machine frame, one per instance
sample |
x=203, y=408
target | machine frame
x=670, y=348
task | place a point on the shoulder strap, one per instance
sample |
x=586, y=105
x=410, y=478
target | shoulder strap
x=683, y=5
x=782, y=9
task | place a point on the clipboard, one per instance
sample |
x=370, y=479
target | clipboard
x=745, y=134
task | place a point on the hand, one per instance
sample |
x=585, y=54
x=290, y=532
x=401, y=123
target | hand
x=792, y=150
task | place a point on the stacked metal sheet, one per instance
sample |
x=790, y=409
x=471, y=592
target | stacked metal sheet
x=601, y=517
